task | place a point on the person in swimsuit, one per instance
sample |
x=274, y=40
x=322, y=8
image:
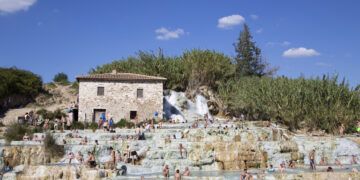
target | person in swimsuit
x=182, y=149
x=186, y=172
x=177, y=175
x=166, y=173
x=91, y=160
x=80, y=157
x=312, y=160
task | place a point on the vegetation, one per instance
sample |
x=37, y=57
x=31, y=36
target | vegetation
x=124, y=123
x=18, y=83
x=15, y=132
x=92, y=126
x=245, y=86
x=249, y=61
x=61, y=78
x=51, y=115
x=75, y=87
x=194, y=68
x=78, y=125
x=321, y=103
x=51, y=148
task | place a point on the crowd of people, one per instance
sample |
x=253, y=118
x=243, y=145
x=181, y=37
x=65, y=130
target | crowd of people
x=131, y=156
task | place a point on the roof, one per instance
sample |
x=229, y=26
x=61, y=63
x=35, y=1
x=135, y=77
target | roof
x=119, y=77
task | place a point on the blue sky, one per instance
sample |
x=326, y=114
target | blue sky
x=304, y=37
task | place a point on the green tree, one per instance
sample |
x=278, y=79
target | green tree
x=206, y=67
x=61, y=78
x=249, y=61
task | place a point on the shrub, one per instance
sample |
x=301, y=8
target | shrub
x=121, y=124
x=93, y=126
x=51, y=148
x=124, y=123
x=61, y=78
x=75, y=87
x=78, y=125
x=45, y=113
x=58, y=113
x=51, y=85
x=37, y=129
x=15, y=132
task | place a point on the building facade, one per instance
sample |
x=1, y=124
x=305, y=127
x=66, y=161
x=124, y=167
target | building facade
x=120, y=96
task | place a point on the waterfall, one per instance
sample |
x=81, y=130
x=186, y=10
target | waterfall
x=178, y=107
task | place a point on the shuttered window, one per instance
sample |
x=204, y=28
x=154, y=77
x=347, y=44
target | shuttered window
x=100, y=91
x=140, y=93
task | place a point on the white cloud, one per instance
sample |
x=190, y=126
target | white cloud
x=259, y=31
x=300, y=52
x=166, y=34
x=230, y=21
x=254, y=17
x=11, y=6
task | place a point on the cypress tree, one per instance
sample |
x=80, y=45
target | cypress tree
x=249, y=61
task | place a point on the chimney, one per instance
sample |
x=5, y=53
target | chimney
x=113, y=71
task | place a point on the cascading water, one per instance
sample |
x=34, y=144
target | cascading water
x=178, y=107
x=201, y=106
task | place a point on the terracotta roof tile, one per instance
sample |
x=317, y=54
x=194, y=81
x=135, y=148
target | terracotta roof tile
x=119, y=77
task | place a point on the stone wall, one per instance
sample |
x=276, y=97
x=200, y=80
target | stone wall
x=119, y=99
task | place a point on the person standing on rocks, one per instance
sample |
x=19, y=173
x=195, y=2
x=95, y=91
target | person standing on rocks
x=353, y=159
x=312, y=159
x=182, y=149
x=341, y=130
x=166, y=172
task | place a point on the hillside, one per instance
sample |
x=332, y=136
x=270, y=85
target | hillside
x=54, y=96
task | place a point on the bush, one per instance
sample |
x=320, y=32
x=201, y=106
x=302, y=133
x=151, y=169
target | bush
x=92, y=126
x=45, y=113
x=51, y=148
x=124, y=123
x=78, y=125
x=75, y=87
x=58, y=113
x=51, y=85
x=37, y=129
x=61, y=78
x=15, y=132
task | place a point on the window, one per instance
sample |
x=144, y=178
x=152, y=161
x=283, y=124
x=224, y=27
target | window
x=133, y=114
x=100, y=91
x=140, y=93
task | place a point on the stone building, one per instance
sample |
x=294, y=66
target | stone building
x=120, y=96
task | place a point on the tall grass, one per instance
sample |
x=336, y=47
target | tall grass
x=321, y=103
